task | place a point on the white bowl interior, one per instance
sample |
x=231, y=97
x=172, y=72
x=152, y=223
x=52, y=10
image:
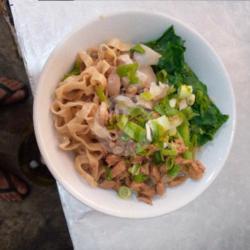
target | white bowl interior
x=134, y=27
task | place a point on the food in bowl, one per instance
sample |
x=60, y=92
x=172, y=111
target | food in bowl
x=134, y=116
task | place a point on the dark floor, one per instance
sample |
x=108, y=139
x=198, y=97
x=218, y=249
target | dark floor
x=38, y=222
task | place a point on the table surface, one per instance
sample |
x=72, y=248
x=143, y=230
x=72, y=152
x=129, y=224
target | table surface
x=218, y=219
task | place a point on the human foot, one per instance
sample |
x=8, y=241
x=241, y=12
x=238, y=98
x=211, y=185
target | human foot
x=12, y=91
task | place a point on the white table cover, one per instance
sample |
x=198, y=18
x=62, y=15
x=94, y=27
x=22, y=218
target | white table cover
x=218, y=219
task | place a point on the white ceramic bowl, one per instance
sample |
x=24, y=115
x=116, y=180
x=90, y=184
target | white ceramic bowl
x=133, y=26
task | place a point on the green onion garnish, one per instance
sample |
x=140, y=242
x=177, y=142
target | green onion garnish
x=162, y=75
x=147, y=96
x=134, y=131
x=156, y=130
x=139, y=115
x=108, y=176
x=128, y=70
x=76, y=69
x=125, y=138
x=100, y=93
x=122, y=121
x=135, y=169
x=124, y=192
x=139, y=150
x=184, y=132
x=188, y=155
x=138, y=48
x=170, y=163
x=140, y=178
x=164, y=108
x=158, y=158
x=174, y=170
x=169, y=152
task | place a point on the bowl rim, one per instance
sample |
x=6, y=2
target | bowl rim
x=38, y=134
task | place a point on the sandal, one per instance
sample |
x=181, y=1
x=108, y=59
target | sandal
x=15, y=188
x=12, y=91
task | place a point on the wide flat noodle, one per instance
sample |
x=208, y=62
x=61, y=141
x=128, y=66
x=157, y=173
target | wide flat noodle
x=119, y=45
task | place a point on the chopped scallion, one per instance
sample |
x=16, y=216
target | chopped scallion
x=135, y=132
x=122, y=121
x=138, y=48
x=128, y=70
x=174, y=170
x=100, y=93
x=162, y=75
x=146, y=96
x=139, y=150
x=140, y=178
x=158, y=158
x=76, y=69
x=135, y=169
x=124, y=192
x=169, y=152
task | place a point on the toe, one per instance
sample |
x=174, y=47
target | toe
x=13, y=84
x=17, y=96
x=20, y=185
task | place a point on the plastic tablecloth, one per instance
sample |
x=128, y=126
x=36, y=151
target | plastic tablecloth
x=219, y=219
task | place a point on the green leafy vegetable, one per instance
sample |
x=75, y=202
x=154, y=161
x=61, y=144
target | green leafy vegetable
x=171, y=47
x=189, y=113
x=138, y=48
x=170, y=162
x=76, y=69
x=128, y=70
x=208, y=118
